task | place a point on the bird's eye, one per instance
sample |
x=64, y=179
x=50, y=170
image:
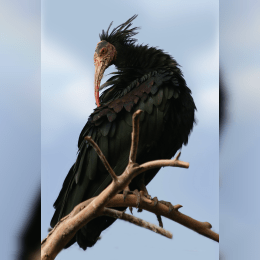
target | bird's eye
x=103, y=51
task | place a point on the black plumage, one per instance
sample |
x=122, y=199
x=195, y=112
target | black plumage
x=148, y=79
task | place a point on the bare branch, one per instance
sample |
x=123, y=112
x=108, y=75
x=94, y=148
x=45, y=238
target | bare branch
x=102, y=157
x=137, y=221
x=162, y=163
x=66, y=229
x=135, y=136
x=203, y=228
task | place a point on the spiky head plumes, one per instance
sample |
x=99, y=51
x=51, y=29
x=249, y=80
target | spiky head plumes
x=122, y=34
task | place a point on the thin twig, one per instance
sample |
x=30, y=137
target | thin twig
x=135, y=136
x=162, y=163
x=137, y=221
x=102, y=157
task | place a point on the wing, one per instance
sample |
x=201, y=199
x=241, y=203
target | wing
x=162, y=133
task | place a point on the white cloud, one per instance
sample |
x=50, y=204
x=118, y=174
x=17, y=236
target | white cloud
x=67, y=90
x=56, y=58
x=207, y=102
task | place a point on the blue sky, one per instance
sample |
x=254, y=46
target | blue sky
x=20, y=117
x=189, y=32
x=239, y=150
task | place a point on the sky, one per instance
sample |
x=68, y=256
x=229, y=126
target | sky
x=239, y=146
x=46, y=83
x=20, y=117
x=190, y=33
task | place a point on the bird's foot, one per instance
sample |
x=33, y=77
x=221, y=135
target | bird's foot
x=139, y=195
x=168, y=204
x=126, y=192
x=155, y=201
x=159, y=218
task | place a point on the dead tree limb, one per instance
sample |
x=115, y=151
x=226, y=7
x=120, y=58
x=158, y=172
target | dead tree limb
x=203, y=228
x=66, y=229
x=137, y=221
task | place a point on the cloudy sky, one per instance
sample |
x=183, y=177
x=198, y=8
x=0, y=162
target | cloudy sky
x=239, y=150
x=187, y=30
x=20, y=117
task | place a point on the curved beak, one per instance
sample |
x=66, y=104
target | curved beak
x=104, y=56
x=100, y=67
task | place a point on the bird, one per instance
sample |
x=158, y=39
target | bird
x=147, y=79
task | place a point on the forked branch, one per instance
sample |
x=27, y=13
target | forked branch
x=66, y=229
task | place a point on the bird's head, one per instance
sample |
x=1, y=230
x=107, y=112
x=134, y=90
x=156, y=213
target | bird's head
x=109, y=50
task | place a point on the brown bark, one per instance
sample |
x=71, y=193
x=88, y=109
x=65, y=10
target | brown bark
x=137, y=221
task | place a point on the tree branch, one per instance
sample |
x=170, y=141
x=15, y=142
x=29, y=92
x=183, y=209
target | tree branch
x=135, y=136
x=203, y=228
x=102, y=157
x=66, y=229
x=137, y=221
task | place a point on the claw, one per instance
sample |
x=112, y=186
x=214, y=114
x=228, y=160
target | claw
x=143, y=190
x=126, y=191
x=160, y=220
x=155, y=201
x=138, y=195
x=168, y=204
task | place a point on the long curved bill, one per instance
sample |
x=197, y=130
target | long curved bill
x=100, y=68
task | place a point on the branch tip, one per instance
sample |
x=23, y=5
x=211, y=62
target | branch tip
x=137, y=113
x=177, y=207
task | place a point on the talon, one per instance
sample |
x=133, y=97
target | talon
x=131, y=210
x=170, y=207
x=155, y=200
x=138, y=195
x=168, y=204
x=126, y=191
x=159, y=218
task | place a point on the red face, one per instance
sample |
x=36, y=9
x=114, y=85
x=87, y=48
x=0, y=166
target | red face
x=104, y=56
